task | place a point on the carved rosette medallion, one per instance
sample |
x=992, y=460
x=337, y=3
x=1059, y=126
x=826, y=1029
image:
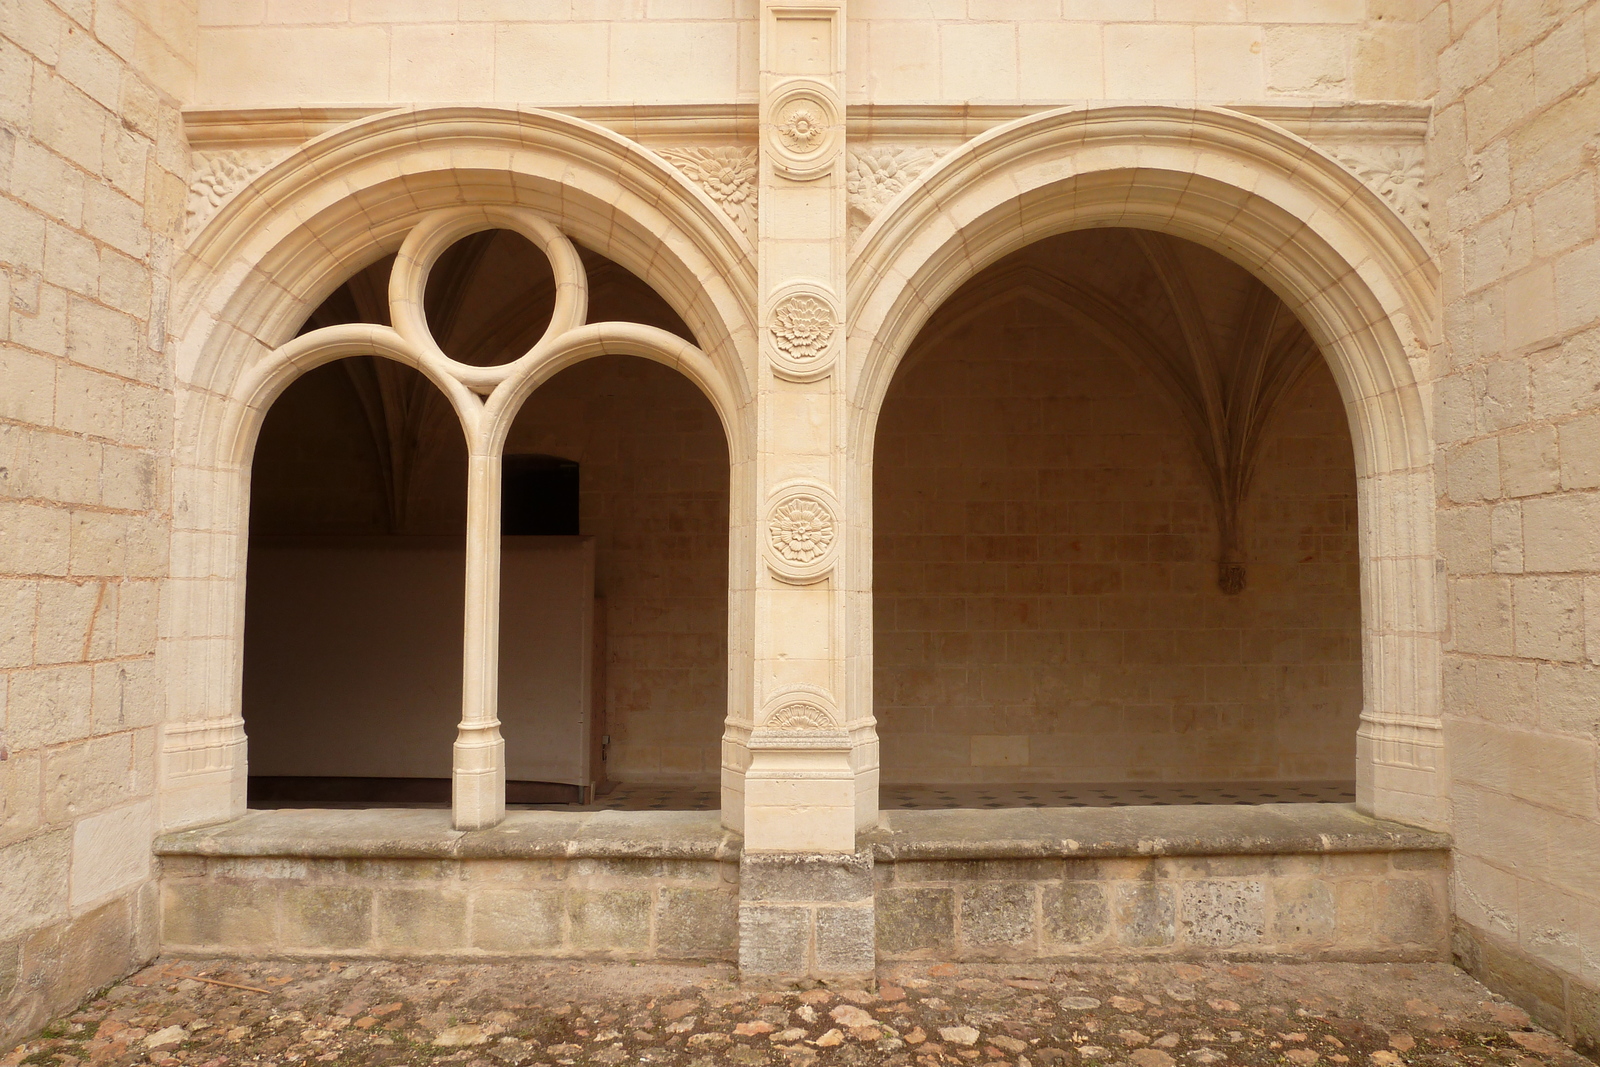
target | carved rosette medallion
x=802, y=324
x=802, y=535
x=803, y=130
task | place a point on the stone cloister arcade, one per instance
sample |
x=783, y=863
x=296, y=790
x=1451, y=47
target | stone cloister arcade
x=1229, y=282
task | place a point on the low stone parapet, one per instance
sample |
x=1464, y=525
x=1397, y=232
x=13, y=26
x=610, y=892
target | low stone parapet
x=631, y=885
x=1290, y=881
x=1296, y=881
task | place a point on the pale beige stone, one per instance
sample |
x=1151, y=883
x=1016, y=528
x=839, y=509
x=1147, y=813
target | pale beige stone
x=109, y=852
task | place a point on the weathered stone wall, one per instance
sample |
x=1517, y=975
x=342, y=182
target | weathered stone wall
x=658, y=885
x=1045, y=574
x=93, y=169
x=683, y=51
x=1338, y=906
x=1290, y=881
x=1517, y=418
x=618, y=907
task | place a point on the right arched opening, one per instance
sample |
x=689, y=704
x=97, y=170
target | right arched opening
x=1116, y=554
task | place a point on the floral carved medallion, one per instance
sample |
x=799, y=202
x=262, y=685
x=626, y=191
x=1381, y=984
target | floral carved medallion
x=802, y=327
x=803, y=130
x=802, y=126
x=802, y=324
x=801, y=532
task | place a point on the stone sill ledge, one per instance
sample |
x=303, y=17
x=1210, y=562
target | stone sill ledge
x=958, y=834
x=1190, y=830
x=425, y=833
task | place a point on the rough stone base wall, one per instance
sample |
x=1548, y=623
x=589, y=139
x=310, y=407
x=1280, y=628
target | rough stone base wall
x=1342, y=906
x=605, y=908
x=48, y=970
x=1557, y=1001
x=806, y=914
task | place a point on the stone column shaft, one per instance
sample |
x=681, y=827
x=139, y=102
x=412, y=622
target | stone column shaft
x=478, y=785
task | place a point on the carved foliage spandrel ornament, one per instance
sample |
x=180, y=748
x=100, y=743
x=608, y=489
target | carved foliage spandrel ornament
x=217, y=176
x=1395, y=172
x=727, y=173
x=876, y=174
x=801, y=534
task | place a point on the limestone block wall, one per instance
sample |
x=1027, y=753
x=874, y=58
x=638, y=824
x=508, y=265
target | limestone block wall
x=402, y=884
x=93, y=169
x=1046, y=601
x=1351, y=906
x=256, y=53
x=904, y=51
x=589, y=907
x=1512, y=167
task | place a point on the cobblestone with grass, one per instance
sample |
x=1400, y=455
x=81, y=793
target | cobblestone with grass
x=217, y=1013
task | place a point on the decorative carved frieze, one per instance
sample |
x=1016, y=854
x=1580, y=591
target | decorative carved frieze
x=876, y=174
x=1395, y=172
x=727, y=173
x=218, y=175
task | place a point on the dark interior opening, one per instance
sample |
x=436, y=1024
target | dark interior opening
x=538, y=496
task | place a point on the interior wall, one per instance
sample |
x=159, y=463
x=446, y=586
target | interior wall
x=1046, y=599
x=653, y=493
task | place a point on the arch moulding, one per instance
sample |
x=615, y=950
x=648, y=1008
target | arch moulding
x=1333, y=251
x=252, y=275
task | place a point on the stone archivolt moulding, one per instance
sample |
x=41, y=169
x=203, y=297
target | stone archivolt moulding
x=803, y=327
x=802, y=534
x=804, y=126
x=727, y=174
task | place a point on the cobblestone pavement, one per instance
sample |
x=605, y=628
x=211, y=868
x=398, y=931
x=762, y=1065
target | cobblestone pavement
x=215, y=1013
